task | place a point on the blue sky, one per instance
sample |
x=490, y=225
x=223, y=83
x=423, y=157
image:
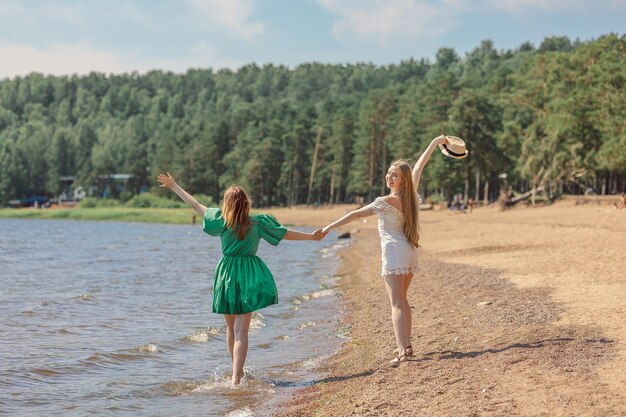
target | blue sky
x=114, y=36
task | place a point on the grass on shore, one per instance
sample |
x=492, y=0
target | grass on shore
x=144, y=215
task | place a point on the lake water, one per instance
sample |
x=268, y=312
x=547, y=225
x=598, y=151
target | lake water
x=106, y=318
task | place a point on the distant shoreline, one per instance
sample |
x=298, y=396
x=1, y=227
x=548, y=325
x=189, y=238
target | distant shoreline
x=288, y=216
x=144, y=215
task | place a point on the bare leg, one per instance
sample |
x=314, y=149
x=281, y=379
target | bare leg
x=407, y=310
x=230, y=333
x=395, y=290
x=240, y=348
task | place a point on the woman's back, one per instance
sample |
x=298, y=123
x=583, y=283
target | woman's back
x=262, y=227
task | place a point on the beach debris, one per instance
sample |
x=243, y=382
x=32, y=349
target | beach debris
x=484, y=303
x=345, y=235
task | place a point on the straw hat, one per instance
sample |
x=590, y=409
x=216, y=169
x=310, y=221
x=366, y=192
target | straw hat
x=455, y=148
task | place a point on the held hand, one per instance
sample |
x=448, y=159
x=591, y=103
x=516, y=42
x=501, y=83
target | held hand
x=325, y=230
x=318, y=235
x=166, y=181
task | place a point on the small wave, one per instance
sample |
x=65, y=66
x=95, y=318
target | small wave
x=150, y=348
x=307, y=324
x=29, y=313
x=111, y=326
x=341, y=244
x=257, y=321
x=84, y=297
x=61, y=331
x=112, y=358
x=242, y=412
x=220, y=381
x=118, y=358
x=329, y=281
x=317, y=294
x=187, y=388
x=45, y=372
x=324, y=251
x=312, y=363
x=202, y=335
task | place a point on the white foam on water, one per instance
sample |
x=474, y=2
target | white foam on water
x=318, y=294
x=222, y=381
x=312, y=363
x=242, y=412
x=84, y=297
x=257, y=321
x=150, y=348
x=307, y=324
x=202, y=335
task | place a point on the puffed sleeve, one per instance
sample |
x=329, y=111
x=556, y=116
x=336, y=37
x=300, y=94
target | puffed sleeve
x=213, y=223
x=377, y=205
x=270, y=229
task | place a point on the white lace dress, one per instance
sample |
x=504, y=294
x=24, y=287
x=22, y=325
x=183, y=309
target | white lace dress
x=398, y=256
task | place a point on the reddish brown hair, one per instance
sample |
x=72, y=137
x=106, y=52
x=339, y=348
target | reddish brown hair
x=236, y=210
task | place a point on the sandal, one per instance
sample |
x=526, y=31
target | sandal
x=407, y=350
x=398, y=360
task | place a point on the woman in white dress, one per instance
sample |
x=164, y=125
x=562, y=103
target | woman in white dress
x=398, y=229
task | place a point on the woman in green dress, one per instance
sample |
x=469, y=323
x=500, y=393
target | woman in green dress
x=242, y=282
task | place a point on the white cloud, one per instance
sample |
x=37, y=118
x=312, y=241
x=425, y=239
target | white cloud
x=21, y=59
x=517, y=6
x=49, y=10
x=233, y=15
x=82, y=58
x=384, y=20
x=551, y=6
x=10, y=8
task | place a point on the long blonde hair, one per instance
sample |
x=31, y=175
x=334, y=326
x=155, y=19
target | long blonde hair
x=409, y=203
x=236, y=210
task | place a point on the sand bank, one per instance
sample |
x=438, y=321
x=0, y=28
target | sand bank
x=520, y=312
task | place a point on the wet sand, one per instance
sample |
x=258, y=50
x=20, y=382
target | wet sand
x=521, y=312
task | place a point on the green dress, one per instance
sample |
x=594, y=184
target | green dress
x=242, y=282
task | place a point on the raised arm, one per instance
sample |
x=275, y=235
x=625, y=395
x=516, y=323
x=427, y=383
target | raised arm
x=423, y=159
x=168, y=181
x=353, y=215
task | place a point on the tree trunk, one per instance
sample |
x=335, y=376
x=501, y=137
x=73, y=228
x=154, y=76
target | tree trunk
x=313, y=165
x=477, y=195
x=372, y=154
x=486, y=193
x=612, y=188
x=332, y=182
x=467, y=181
x=383, y=164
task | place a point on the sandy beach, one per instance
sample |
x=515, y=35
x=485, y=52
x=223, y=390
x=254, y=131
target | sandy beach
x=518, y=312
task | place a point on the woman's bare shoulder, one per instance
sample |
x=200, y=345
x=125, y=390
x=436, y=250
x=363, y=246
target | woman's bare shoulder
x=393, y=200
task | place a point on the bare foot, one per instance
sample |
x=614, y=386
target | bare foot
x=236, y=379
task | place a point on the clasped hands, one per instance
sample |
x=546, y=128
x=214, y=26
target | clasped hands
x=320, y=234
